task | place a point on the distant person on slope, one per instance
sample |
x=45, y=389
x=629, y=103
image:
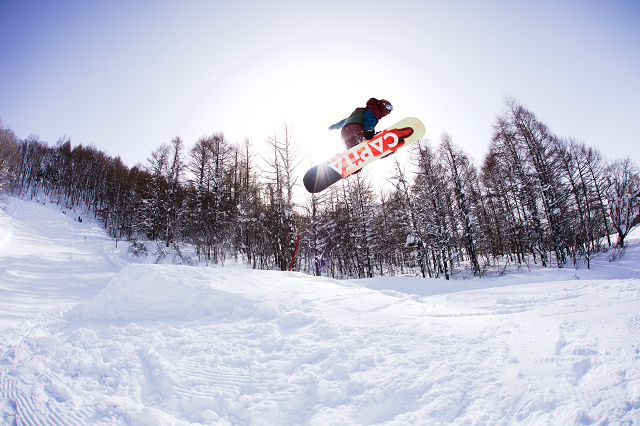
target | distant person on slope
x=361, y=124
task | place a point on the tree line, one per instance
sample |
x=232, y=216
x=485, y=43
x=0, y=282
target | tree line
x=535, y=199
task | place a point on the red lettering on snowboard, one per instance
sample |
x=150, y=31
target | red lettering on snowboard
x=383, y=143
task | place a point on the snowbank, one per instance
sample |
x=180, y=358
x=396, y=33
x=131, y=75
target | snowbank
x=601, y=269
x=157, y=292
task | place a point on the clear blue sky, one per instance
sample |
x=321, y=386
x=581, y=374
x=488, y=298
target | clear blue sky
x=127, y=76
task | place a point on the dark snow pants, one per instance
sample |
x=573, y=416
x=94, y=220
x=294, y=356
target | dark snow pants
x=352, y=134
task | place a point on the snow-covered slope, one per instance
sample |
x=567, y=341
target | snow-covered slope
x=86, y=339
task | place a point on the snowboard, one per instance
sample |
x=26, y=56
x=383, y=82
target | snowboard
x=323, y=175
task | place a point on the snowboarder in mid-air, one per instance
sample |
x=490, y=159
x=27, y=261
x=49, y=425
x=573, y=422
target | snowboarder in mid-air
x=363, y=144
x=361, y=124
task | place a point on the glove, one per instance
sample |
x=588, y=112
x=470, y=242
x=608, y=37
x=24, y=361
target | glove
x=368, y=134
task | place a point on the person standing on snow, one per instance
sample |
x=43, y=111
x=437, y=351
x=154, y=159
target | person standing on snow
x=361, y=124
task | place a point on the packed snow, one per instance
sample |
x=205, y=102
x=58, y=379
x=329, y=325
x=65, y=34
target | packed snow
x=91, y=335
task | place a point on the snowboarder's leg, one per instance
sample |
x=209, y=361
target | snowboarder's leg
x=352, y=134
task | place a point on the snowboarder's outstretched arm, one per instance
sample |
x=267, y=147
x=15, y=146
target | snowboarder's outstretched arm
x=338, y=125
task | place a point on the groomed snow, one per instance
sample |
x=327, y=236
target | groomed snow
x=90, y=335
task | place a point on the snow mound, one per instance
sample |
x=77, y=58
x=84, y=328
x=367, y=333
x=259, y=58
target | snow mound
x=153, y=292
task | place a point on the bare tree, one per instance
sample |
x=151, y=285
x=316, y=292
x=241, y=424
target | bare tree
x=211, y=202
x=9, y=157
x=461, y=174
x=623, y=196
x=407, y=216
x=434, y=210
x=318, y=238
x=174, y=192
x=595, y=169
x=154, y=221
x=285, y=157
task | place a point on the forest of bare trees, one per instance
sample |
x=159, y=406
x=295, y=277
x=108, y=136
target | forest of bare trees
x=536, y=199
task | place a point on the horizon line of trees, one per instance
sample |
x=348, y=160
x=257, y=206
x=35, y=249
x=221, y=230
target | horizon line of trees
x=536, y=198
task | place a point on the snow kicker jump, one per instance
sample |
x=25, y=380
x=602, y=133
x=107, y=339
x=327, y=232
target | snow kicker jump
x=325, y=174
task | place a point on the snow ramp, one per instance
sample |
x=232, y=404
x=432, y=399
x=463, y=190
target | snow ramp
x=162, y=292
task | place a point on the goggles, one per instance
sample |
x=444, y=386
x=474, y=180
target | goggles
x=389, y=107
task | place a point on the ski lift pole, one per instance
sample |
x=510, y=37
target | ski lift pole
x=294, y=253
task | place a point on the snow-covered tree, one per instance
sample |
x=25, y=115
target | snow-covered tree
x=281, y=224
x=461, y=175
x=623, y=195
x=320, y=228
x=154, y=213
x=9, y=157
x=355, y=227
x=434, y=210
x=211, y=205
x=407, y=222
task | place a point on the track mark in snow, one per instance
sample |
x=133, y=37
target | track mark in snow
x=633, y=325
x=27, y=412
x=8, y=406
x=212, y=383
x=61, y=404
x=395, y=332
x=308, y=358
x=203, y=378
